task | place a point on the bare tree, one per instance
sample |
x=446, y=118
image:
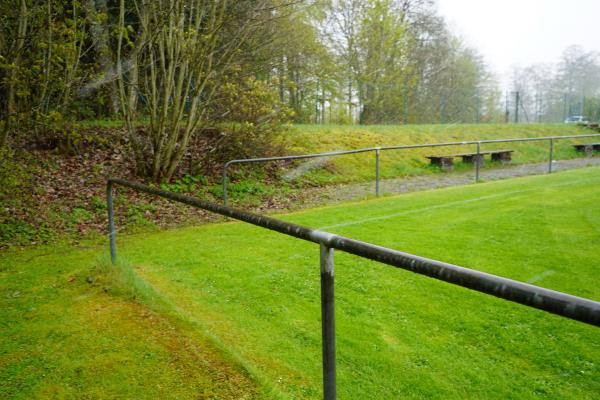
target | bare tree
x=182, y=49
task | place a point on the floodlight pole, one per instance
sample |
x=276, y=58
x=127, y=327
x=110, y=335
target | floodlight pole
x=328, y=323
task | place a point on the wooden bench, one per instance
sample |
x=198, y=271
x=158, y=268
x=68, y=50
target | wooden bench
x=446, y=162
x=587, y=148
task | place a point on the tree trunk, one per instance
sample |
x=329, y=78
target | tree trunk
x=322, y=104
x=14, y=72
x=282, y=79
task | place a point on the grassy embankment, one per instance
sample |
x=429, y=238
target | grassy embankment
x=394, y=163
x=399, y=335
x=249, y=188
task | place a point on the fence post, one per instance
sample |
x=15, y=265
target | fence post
x=111, y=222
x=377, y=172
x=328, y=323
x=225, y=185
x=477, y=162
x=550, y=158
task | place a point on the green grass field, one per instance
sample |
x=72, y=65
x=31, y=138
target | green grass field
x=247, y=300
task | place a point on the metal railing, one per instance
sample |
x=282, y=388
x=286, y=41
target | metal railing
x=378, y=151
x=566, y=305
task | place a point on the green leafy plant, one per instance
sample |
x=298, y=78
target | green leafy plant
x=187, y=184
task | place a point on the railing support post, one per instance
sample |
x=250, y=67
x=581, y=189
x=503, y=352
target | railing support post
x=377, y=172
x=111, y=222
x=477, y=162
x=328, y=323
x=225, y=185
x=550, y=158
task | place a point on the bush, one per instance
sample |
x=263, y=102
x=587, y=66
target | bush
x=13, y=177
x=250, y=121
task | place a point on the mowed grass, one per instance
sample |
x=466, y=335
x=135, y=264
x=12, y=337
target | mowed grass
x=400, y=335
x=394, y=163
x=69, y=331
x=232, y=311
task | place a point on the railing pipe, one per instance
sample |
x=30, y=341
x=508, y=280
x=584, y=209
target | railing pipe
x=566, y=305
x=417, y=146
x=283, y=158
x=377, y=151
x=477, y=162
x=382, y=148
x=302, y=156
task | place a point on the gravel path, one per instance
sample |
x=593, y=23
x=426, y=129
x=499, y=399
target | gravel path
x=345, y=192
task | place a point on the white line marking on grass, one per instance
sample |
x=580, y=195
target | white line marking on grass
x=542, y=276
x=450, y=204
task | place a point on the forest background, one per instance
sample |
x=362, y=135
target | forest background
x=190, y=84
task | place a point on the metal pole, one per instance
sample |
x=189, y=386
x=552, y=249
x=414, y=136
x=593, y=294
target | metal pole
x=550, y=158
x=111, y=223
x=225, y=185
x=377, y=172
x=563, y=304
x=517, y=107
x=328, y=323
x=477, y=162
x=507, y=111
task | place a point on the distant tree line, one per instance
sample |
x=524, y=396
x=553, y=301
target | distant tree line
x=551, y=93
x=181, y=65
x=381, y=62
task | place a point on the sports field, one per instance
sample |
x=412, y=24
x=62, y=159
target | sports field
x=254, y=295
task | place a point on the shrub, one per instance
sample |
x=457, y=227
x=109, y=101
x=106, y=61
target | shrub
x=250, y=121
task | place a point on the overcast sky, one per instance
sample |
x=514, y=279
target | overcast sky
x=523, y=32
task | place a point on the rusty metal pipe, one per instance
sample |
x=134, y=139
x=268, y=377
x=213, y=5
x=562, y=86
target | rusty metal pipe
x=566, y=305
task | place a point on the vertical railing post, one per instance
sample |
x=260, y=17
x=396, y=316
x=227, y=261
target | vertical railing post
x=377, y=172
x=111, y=222
x=477, y=162
x=550, y=158
x=328, y=323
x=225, y=185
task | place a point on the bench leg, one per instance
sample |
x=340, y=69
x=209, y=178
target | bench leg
x=504, y=158
x=588, y=149
x=471, y=159
x=445, y=163
x=480, y=160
